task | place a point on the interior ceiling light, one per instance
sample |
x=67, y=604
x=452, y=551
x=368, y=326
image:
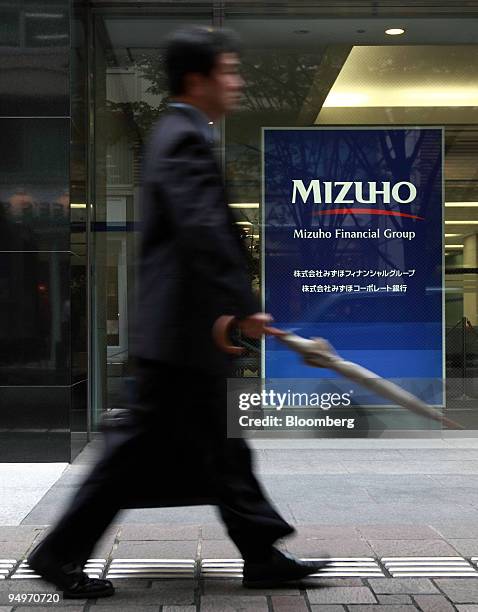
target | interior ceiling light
x=355, y=86
x=244, y=205
x=395, y=31
x=461, y=204
x=402, y=96
x=464, y=222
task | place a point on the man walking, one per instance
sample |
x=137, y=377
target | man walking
x=192, y=269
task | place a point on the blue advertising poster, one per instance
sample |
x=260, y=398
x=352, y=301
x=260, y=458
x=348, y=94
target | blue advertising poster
x=353, y=247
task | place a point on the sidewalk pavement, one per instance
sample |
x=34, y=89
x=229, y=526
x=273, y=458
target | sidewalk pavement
x=367, y=503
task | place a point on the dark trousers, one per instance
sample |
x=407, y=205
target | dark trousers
x=176, y=454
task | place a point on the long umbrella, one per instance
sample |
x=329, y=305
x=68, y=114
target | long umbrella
x=319, y=353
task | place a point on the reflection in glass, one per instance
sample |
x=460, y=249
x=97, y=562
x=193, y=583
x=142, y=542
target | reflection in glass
x=306, y=72
x=130, y=95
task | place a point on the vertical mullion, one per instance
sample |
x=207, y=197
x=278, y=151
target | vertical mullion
x=90, y=33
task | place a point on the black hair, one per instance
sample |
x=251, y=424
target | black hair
x=195, y=49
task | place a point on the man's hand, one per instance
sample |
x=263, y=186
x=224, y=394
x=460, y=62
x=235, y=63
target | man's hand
x=254, y=326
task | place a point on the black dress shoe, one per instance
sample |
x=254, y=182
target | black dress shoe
x=278, y=568
x=70, y=578
x=89, y=588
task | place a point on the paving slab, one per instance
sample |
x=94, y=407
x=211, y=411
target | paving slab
x=465, y=547
x=288, y=604
x=469, y=494
x=327, y=608
x=392, y=586
x=397, y=532
x=420, y=498
x=22, y=533
x=336, y=548
x=131, y=583
x=177, y=609
x=172, y=586
x=412, y=467
x=459, y=591
x=74, y=475
x=366, y=443
x=15, y=549
x=467, y=608
x=412, y=548
x=45, y=513
x=448, y=454
x=330, y=582
x=433, y=603
x=219, y=549
x=325, y=532
x=288, y=489
x=234, y=604
x=410, y=482
x=156, y=550
x=380, y=608
x=341, y=595
x=213, y=531
x=172, y=516
x=459, y=442
x=388, y=513
x=390, y=600
x=299, y=466
x=104, y=547
x=457, y=530
x=159, y=532
x=453, y=481
x=222, y=587
x=167, y=594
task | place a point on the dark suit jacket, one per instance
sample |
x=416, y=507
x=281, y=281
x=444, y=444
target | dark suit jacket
x=192, y=266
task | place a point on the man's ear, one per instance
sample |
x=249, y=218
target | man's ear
x=193, y=82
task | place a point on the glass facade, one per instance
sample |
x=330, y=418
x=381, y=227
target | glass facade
x=70, y=181
x=36, y=384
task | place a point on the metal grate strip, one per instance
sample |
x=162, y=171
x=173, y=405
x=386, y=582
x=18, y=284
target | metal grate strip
x=339, y=567
x=6, y=567
x=222, y=568
x=343, y=567
x=151, y=568
x=93, y=567
x=398, y=567
x=410, y=567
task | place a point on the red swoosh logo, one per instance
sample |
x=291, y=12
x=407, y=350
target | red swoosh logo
x=366, y=211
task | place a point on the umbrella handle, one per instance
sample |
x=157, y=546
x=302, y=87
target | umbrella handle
x=221, y=332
